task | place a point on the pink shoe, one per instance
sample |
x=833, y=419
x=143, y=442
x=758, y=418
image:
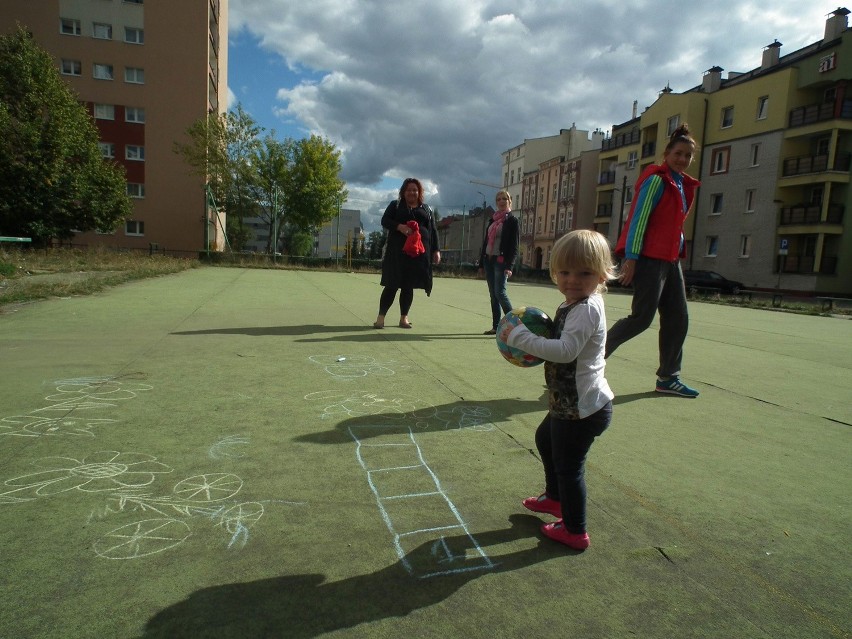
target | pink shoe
x=556, y=531
x=543, y=504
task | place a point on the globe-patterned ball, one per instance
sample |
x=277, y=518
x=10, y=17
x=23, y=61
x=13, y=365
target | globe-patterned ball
x=535, y=320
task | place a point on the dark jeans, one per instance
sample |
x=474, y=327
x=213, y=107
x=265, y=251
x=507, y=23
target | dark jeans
x=406, y=297
x=657, y=286
x=495, y=275
x=563, y=445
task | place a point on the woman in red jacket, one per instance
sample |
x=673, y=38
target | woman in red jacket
x=651, y=245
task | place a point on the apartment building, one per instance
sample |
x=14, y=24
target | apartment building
x=334, y=236
x=146, y=71
x=774, y=159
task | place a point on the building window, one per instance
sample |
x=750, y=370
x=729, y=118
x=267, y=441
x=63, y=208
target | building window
x=134, y=152
x=632, y=158
x=102, y=31
x=135, y=190
x=727, y=117
x=104, y=112
x=134, y=227
x=720, y=160
x=134, y=75
x=541, y=195
x=762, y=107
x=102, y=71
x=134, y=36
x=134, y=114
x=755, y=154
x=751, y=196
x=672, y=124
x=107, y=150
x=69, y=26
x=72, y=67
x=716, y=202
x=712, y=246
x=745, y=245
x=554, y=193
x=628, y=194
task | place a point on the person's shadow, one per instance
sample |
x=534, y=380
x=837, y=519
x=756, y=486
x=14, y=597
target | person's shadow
x=302, y=606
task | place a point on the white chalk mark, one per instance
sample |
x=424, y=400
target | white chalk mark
x=224, y=448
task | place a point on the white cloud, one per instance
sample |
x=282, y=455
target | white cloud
x=437, y=90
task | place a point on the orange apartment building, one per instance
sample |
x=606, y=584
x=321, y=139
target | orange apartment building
x=146, y=70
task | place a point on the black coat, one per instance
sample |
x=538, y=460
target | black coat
x=398, y=269
x=509, y=242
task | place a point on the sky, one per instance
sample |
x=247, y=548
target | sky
x=438, y=89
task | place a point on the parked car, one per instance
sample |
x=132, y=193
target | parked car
x=711, y=280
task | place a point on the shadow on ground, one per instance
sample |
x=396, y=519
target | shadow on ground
x=303, y=606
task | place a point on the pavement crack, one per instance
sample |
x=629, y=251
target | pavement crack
x=663, y=553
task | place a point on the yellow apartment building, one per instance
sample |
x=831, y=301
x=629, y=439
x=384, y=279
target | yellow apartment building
x=146, y=70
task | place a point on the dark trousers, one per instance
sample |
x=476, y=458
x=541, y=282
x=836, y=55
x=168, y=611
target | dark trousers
x=657, y=286
x=406, y=297
x=495, y=275
x=563, y=445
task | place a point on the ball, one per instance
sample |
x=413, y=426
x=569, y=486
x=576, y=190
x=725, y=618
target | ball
x=535, y=320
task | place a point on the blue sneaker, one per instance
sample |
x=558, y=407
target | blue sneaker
x=674, y=386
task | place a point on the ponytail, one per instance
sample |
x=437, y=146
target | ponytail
x=681, y=134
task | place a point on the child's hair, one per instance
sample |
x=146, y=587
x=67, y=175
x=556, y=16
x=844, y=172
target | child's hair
x=681, y=134
x=586, y=250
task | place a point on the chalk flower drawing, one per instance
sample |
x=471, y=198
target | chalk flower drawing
x=40, y=425
x=101, y=471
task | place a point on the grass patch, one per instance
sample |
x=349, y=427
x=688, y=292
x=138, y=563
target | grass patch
x=27, y=275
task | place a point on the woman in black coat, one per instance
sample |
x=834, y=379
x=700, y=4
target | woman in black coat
x=401, y=271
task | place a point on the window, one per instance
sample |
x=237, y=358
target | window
x=134, y=75
x=541, y=195
x=102, y=71
x=762, y=107
x=750, y=197
x=671, y=124
x=134, y=114
x=134, y=36
x=716, y=202
x=134, y=152
x=102, y=31
x=107, y=149
x=554, y=193
x=69, y=26
x=632, y=158
x=712, y=245
x=720, y=159
x=134, y=227
x=104, y=112
x=628, y=195
x=727, y=117
x=745, y=245
x=72, y=67
x=755, y=154
x=135, y=190
x=822, y=146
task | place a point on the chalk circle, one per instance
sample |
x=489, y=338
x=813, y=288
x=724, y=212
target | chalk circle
x=142, y=538
x=209, y=487
x=243, y=515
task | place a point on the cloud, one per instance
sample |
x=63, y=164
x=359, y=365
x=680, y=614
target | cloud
x=438, y=90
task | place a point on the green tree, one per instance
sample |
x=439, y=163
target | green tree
x=315, y=190
x=374, y=244
x=54, y=181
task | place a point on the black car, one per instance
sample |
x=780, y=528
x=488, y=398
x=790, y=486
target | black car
x=710, y=280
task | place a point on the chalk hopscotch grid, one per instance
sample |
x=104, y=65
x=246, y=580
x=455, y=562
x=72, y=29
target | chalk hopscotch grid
x=439, y=491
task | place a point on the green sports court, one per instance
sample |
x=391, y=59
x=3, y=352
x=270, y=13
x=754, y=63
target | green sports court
x=238, y=453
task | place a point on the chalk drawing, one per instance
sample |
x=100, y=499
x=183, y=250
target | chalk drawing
x=224, y=448
x=413, y=504
x=348, y=367
x=420, y=414
x=142, y=538
x=101, y=471
x=42, y=425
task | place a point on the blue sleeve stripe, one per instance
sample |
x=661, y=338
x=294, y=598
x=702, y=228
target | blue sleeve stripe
x=647, y=199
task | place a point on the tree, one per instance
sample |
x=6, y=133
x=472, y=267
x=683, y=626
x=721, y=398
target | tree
x=315, y=190
x=374, y=244
x=54, y=181
x=220, y=149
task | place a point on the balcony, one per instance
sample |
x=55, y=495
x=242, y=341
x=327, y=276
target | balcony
x=802, y=214
x=622, y=139
x=813, y=113
x=805, y=164
x=604, y=210
x=607, y=177
x=649, y=149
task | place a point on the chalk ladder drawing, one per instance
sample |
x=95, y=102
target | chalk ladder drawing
x=422, y=513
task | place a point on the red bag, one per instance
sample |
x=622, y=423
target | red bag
x=413, y=243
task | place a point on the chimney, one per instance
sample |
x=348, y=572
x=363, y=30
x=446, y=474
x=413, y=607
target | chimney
x=635, y=109
x=712, y=80
x=771, y=55
x=836, y=24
